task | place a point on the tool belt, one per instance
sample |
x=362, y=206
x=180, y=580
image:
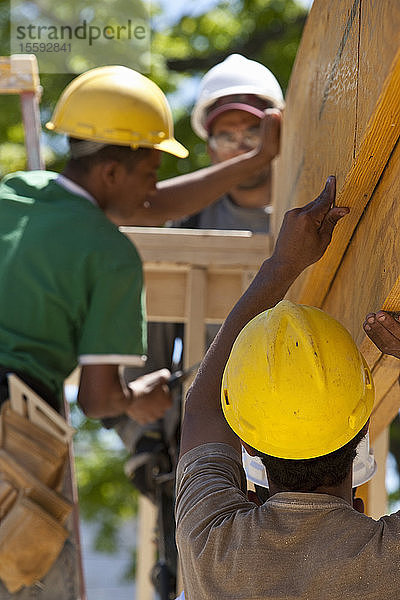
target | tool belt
x=34, y=450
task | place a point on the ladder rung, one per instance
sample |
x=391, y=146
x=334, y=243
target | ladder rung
x=19, y=73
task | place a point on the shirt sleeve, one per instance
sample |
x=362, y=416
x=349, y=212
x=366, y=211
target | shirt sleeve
x=211, y=484
x=114, y=331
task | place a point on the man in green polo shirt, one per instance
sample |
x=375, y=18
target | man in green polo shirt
x=71, y=284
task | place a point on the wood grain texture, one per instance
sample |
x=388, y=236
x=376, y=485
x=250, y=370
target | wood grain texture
x=386, y=411
x=369, y=270
x=380, y=139
x=202, y=248
x=320, y=114
x=379, y=43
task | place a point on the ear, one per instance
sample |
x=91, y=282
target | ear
x=109, y=172
x=248, y=449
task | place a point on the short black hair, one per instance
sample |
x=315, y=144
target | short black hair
x=306, y=475
x=123, y=154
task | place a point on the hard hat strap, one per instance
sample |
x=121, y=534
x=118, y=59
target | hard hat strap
x=79, y=148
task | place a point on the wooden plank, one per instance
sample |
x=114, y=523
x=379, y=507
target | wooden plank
x=367, y=281
x=370, y=268
x=229, y=257
x=19, y=74
x=350, y=128
x=194, y=342
x=165, y=295
x=31, y=119
x=382, y=134
x=315, y=142
x=373, y=492
x=199, y=247
x=379, y=43
x=387, y=409
x=147, y=518
x=224, y=289
x=166, y=289
x=194, y=334
x=370, y=352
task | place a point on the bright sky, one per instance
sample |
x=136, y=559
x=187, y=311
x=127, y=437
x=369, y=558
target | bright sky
x=173, y=10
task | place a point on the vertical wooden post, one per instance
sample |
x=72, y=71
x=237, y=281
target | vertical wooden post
x=194, y=342
x=71, y=489
x=146, y=549
x=31, y=119
x=374, y=492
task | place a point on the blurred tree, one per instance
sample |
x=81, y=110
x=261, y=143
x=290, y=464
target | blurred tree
x=267, y=31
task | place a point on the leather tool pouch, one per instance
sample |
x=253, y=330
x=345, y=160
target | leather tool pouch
x=31, y=530
x=13, y=473
x=30, y=541
x=43, y=455
x=32, y=512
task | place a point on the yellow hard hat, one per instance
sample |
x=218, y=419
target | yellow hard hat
x=116, y=105
x=295, y=385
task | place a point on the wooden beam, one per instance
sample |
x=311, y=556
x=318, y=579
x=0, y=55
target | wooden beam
x=373, y=492
x=387, y=409
x=201, y=248
x=146, y=555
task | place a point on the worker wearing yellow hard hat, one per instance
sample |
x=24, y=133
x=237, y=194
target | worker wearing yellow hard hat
x=288, y=383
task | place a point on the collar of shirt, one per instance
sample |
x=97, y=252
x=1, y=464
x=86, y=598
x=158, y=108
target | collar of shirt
x=74, y=188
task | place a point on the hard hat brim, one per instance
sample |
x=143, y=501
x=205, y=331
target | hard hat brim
x=171, y=146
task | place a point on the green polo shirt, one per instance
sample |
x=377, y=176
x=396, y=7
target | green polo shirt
x=71, y=285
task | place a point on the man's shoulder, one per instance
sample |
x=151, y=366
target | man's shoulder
x=207, y=456
x=22, y=181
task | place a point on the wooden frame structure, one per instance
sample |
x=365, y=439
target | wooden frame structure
x=194, y=277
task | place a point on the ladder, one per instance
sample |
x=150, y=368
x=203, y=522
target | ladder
x=19, y=75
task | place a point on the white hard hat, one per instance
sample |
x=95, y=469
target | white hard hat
x=364, y=465
x=236, y=77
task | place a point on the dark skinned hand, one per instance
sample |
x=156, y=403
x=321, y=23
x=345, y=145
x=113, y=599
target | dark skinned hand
x=384, y=330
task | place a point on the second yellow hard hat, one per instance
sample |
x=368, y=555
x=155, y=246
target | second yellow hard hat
x=116, y=105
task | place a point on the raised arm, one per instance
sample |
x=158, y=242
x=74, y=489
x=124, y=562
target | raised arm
x=305, y=234
x=187, y=194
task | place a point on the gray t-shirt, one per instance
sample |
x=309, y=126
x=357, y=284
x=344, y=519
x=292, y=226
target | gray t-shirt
x=225, y=214
x=295, y=546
